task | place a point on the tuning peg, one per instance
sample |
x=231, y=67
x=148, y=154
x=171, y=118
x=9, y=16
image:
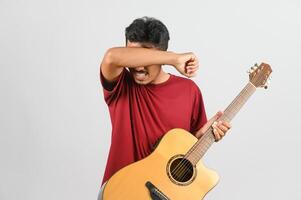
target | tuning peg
x=254, y=67
x=266, y=85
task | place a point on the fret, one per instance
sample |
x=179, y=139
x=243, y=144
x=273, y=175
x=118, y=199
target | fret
x=203, y=144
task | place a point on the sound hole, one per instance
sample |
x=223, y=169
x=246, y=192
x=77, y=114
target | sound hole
x=181, y=170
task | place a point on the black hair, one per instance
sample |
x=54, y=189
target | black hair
x=150, y=30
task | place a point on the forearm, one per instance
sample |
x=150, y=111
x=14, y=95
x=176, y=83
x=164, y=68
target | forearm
x=117, y=58
x=137, y=57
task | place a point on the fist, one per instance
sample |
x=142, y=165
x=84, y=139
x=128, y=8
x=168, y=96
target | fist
x=187, y=64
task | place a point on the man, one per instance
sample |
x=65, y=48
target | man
x=144, y=101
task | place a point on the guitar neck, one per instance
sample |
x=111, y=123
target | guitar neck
x=204, y=143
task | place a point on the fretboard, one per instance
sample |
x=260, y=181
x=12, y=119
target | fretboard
x=202, y=145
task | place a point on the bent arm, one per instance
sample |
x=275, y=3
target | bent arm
x=115, y=59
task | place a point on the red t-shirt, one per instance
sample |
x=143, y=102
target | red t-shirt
x=142, y=114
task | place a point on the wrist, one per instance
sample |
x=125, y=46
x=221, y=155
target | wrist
x=173, y=58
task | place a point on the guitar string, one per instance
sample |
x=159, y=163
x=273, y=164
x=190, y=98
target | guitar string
x=182, y=168
x=240, y=104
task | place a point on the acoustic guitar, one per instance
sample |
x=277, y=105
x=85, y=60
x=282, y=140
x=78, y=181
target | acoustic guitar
x=174, y=170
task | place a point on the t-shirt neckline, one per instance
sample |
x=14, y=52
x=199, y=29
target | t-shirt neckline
x=153, y=85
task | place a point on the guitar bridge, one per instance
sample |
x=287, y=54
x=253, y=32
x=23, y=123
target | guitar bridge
x=155, y=193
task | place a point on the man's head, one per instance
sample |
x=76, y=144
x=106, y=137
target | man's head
x=151, y=33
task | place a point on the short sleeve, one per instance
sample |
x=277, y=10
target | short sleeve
x=198, y=116
x=113, y=90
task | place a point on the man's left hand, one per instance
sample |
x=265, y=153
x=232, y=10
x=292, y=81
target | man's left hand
x=220, y=127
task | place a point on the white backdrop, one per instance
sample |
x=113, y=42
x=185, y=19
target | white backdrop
x=54, y=124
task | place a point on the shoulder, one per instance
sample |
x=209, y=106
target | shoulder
x=186, y=83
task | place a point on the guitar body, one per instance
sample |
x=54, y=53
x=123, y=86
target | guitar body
x=129, y=183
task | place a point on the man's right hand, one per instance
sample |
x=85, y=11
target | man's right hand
x=187, y=64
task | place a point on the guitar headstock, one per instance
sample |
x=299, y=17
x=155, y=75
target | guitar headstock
x=259, y=75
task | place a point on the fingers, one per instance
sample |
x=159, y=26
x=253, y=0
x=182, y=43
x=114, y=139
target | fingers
x=224, y=126
x=217, y=135
x=212, y=120
x=192, y=66
x=220, y=129
x=191, y=70
x=187, y=64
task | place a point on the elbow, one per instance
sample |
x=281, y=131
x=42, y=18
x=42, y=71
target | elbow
x=108, y=57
